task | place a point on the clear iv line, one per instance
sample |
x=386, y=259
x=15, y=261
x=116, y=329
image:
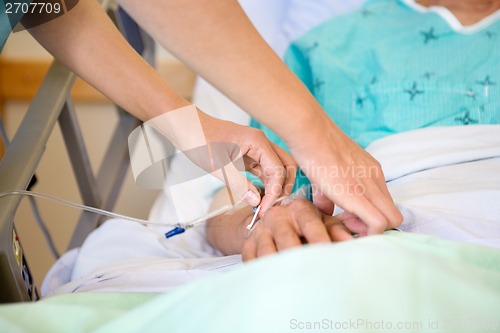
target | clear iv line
x=101, y=211
x=177, y=226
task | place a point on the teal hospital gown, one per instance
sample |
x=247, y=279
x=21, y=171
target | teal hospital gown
x=393, y=66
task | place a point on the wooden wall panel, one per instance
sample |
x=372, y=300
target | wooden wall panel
x=20, y=79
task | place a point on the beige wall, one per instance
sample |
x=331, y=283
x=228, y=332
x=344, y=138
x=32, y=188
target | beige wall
x=54, y=172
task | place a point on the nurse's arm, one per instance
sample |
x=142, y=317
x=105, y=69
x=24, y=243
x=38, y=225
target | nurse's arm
x=86, y=41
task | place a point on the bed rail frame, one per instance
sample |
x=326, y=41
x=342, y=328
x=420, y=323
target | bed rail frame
x=52, y=104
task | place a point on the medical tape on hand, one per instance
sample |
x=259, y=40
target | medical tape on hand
x=283, y=201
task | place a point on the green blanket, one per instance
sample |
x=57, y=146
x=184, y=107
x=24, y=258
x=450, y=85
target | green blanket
x=392, y=282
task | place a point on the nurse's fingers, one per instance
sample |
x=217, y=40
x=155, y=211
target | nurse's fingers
x=353, y=223
x=290, y=166
x=277, y=181
x=367, y=212
x=379, y=210
x=337, y=230
x=257, y=147
x=324, y=204
x=250, y=143
x=389, y=209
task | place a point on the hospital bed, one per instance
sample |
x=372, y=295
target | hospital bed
x=399, y=281
x=100, y=189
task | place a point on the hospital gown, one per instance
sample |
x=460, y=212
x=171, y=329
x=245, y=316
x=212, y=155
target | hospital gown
x=393, y=66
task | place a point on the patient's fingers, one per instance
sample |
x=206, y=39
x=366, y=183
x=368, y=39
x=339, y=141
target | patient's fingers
x=283, y=228
x=309, y=221
x=265, y=245
x=249, y=250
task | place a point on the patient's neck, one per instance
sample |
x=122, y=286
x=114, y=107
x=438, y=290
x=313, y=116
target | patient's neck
x=467, y=11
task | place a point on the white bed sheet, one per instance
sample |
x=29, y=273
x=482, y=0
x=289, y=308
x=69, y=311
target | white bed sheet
x=446, y=182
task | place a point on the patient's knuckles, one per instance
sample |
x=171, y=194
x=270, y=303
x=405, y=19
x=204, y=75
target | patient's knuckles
x=329, y=221
x=305, y=213
x=300, y=206
x=265, y=246
x=276, y=213
x=286, y=235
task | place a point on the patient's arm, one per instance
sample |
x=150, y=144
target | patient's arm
x=282, y=227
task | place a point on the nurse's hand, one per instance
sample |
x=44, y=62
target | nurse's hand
x=274, y=166
x=341, y=171
x=225, y=150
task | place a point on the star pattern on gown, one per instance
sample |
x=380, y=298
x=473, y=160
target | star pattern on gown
x=470, y=93
x=318, y=84
x=413, y=92
x=428, y=75
x=360, y=101
x=486, y=83
x=365, y=12
x=429, y=35
x=312, y=47
x=490, y=34
x=466, y=119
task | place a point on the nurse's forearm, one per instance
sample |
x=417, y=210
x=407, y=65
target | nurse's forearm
x=216, y=39
x=87, y=42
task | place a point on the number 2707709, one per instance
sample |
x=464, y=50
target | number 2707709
x=33, y=8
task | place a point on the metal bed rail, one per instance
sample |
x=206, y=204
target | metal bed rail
x=52, y=104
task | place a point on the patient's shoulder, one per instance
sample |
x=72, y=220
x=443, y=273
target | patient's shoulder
x=340, y=26
x=357, y=29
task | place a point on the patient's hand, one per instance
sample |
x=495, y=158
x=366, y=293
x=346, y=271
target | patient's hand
x=283, y=227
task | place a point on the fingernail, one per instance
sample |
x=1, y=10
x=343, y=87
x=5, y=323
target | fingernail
x=251, y=198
